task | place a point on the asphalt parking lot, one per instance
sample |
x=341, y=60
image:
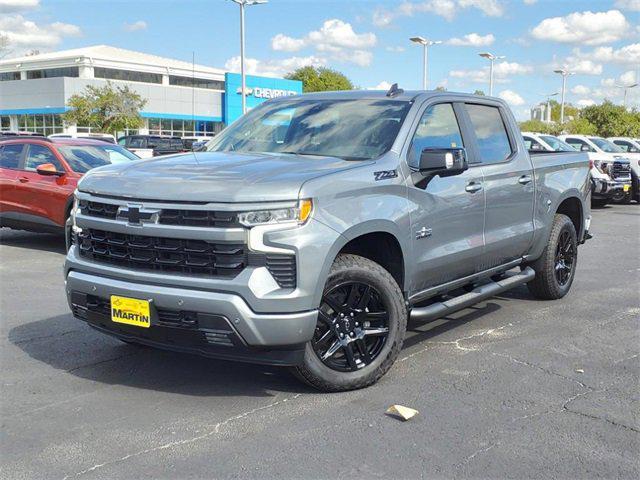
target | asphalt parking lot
x=512, y=388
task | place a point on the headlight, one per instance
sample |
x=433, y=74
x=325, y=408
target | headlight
x=295, y=215
x=74, y=210
x=601, y=166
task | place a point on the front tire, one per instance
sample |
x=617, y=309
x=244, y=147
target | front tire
x=361, y=325
x=556, y=267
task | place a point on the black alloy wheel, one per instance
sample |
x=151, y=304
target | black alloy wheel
x=352, y=328
x=564, y=258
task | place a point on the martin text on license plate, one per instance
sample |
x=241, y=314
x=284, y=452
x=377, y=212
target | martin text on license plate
x=130, y=311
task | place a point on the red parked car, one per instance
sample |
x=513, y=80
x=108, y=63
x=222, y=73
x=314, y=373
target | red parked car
x=39, y=175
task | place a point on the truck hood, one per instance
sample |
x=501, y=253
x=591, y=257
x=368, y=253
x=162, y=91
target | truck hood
x=227, y=177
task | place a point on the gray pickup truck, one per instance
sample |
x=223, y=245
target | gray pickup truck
x=316, y=226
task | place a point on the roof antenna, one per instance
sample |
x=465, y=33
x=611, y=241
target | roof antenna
x=394, y=90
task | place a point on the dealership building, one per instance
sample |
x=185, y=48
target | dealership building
x=182, y=99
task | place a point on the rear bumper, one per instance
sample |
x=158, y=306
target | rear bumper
x=213, y=324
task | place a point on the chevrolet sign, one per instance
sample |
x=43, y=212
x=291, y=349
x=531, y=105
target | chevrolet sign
x=259, y=92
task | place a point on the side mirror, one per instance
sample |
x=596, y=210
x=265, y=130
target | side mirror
x=444, y=162
x=48, y=169
x=585, y=148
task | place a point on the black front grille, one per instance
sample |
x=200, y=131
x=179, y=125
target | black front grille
x=182, y=217
x=620, y=170
x=97, y=209
x=167, y=255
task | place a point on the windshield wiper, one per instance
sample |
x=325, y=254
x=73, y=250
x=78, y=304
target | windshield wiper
x=308, y=154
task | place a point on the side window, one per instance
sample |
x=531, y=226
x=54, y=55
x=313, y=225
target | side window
x=122, y=141
x=39, y=155
x=579, y=145
x=626, y=146
x=438, y=128
x=10, y=156
x=137, y=142
x=491, y=133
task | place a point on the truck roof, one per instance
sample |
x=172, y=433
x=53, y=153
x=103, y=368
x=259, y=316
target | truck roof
x=406, y=95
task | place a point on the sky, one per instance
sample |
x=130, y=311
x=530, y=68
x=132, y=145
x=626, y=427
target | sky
x=368, y=40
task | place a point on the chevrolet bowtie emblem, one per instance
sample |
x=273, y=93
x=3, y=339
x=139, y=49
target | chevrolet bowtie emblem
x=137, y=215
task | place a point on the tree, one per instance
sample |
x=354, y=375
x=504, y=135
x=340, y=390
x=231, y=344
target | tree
x=441, y=88
x=4, y=45
x=320, y=79
x=479, y=92
x=108, y=109
x=612, y=120
x=539, y=127
x=579, y=126
x=569, y=111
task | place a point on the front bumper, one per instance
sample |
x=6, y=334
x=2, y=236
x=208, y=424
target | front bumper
x=605, y=189
x=213, y=324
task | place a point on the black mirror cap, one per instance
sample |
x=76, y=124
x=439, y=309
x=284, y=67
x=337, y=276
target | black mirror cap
x=443, y=161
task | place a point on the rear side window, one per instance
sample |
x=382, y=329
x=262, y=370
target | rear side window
x=10, y=156
x=491, y=133
x=39, y=155
x=438, y=128
x=137, y=142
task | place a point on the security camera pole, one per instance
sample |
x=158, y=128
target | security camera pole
x=425, y=47
x=492, y=58
x=244, y=3
x=565, y=73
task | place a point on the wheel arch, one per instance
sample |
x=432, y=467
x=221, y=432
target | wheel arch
x=572, y=207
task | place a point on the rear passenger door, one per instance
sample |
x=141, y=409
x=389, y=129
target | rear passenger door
x=508, y=185
x=10, y=159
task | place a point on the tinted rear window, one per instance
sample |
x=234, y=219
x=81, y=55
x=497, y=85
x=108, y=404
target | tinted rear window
x=10, y=156
x=491, y=133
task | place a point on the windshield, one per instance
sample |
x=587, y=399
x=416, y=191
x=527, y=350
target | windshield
x=82, y=158
x=606, y=145
x=349, y=129
x=556, y=144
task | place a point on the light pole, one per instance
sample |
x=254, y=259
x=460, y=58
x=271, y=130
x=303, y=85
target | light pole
x=492, y=58
x=565, y=73
x=425, y=47
x=244, y=3
x=549, y=106
x=625, y=89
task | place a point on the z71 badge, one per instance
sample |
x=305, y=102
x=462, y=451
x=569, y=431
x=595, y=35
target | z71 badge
x=385, y=174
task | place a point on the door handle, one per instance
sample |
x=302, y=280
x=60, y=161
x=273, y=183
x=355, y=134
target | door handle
x=473, y=187
x=524, y=179
x=23, y=179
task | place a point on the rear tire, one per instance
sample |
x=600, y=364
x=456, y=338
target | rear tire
x=556, y=267
x=362, y=321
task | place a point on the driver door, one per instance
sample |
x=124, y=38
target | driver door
x=447, y=213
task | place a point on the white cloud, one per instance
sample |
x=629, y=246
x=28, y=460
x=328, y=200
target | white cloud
x=501, y=71
x=24, y=35
x=511, y=97
x=8, y=6
x=273, y=68
x=336, y=39
x=586, y=102
x=581, y=90
x=395, y=49
x=629, y=54
x=472, y=40
x=446, y=9
x=530, y=2
x=284, y=43
x=384, y=85
x=633, y=5
x=628, y=78
x=135, y=26
x=587, y=28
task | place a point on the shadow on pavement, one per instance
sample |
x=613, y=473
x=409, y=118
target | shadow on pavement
x=64, y=343
x=33, y=241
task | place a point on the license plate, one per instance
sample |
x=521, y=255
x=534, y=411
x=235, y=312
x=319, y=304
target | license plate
x=130, y=311
x=625, y=188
